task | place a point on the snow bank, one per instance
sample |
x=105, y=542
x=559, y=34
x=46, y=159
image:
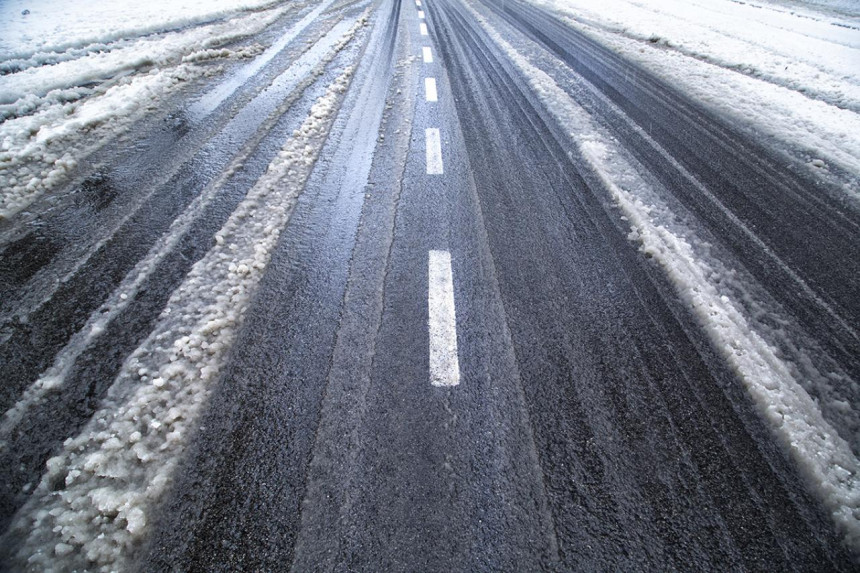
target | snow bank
x=37, y=152
x=58, y=25
x=54, y=116
x=91, y=508
x=153, y=51
x=825, y=459
x=789, y=76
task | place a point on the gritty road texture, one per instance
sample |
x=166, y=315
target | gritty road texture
x=566, y=412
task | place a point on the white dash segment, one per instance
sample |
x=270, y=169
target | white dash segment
x=442, y=322
x=430, y=89
x=418, y=3
x=428, y=55
x=434, y=151
x=423, y=28
x=421, y=14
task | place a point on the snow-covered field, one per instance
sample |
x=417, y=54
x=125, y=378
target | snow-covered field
x=788, y=71
x=71, y=79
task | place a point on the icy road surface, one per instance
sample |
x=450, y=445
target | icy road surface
x=430, y=285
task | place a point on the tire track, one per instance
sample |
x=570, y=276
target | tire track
x=790, y=233
x=711, y=444
x=98, y=520
x=32, y=343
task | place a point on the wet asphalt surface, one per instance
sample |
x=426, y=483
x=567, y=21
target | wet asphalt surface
x=594, y=427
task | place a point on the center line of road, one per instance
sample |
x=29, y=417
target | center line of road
x=423, y=29
x=430, y=89
x=418, y=3
x=442, y=322
x=420, y=13
x=434, y=151
x=428, y=55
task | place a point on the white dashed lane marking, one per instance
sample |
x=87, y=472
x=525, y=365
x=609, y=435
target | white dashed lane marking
x=434, y=151
x=442, y=322
x=430, y=89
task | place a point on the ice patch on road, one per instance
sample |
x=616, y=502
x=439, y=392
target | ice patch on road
x=91, y=509
x=825, y=459
x=214, y=97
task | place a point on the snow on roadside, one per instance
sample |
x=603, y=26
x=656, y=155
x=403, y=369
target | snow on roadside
x=313, y=62
x=825, y=459
x=52, y=26
x=56, y=118
x=263, y=107
x=90, y=509
x=33, y=84
x=791, y=77
x=814, y=8
x=800, y=53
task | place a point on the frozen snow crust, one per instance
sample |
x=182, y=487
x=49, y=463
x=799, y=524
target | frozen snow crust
x=56, y=109
x=91, y=508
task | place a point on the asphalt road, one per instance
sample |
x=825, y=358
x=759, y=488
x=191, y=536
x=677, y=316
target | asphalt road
x=587, y=424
